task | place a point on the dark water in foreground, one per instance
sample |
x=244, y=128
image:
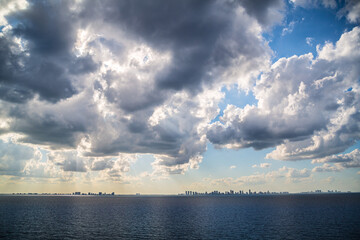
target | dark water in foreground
x=325, y=216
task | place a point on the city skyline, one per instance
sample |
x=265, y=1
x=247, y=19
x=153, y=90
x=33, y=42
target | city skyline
x=186, y=193
x=165, y=97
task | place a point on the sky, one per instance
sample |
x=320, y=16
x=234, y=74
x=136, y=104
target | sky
x=162, y=97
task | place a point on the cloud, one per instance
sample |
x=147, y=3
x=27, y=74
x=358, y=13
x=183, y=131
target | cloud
x=293, y=173
x=326, y=168
x=53, y=126
x=101, y=164
x=330, y=179
x=194, y=29
x=309, y=41
x=13, y=157
x=262, y=165
x=284, y=173
x=341, y=161
x=8, y=6
x=232, y=167
x=341, y=158
x=30, y=164
x=68, y=161
x=315, y=3
x=307, y=108
x=24, y=161
x=36, y=54
x=94, y=83
x=336, y=163
x=115, y=170
x=266, y=12
x=354, y=13
x=351, y=11
x=89, y=81
x=288, y=29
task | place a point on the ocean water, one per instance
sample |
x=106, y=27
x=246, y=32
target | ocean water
x=322, y=216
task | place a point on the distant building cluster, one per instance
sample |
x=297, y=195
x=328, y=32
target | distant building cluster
x=249, y=192
x=328, y=191
x=334, y=191
x=232, y=192
x=192, y=193
x=90, y=193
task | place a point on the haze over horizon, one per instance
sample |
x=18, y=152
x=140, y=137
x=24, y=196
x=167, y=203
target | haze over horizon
x=162, y=96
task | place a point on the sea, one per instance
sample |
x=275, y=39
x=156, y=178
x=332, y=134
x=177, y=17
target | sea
x=293, y=216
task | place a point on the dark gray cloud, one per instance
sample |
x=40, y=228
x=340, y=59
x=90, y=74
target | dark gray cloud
x=194, y=31
x=132, y=94
x=47, y=26
x=188, y=28
x=197, y=34
x=68, y=161
x=266, y=12
x=102, y=164
x=52, y=125
x=43, y=62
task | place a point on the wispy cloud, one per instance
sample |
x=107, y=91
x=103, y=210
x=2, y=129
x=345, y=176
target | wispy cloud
x=309, y=41
x=262, y=165
x=283, y=174
x=289, y=28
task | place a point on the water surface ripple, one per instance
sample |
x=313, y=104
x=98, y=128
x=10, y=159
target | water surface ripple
x=322, y=216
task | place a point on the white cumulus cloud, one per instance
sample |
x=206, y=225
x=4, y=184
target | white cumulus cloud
x=307, y=107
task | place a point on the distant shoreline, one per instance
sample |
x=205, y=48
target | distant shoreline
x=171, y=195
